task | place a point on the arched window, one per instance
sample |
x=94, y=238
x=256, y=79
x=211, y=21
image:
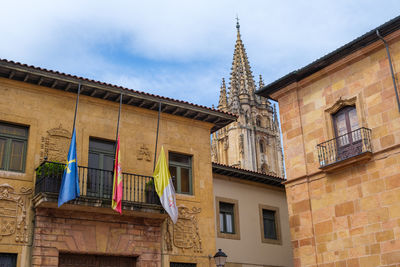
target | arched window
x=262, y=149
x=258, y=122
x=347, y=131
x=345, y=121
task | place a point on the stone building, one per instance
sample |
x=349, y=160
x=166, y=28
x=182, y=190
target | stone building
x=253, y=141
x=36, y=116
x=252, y=221
x=340, y=118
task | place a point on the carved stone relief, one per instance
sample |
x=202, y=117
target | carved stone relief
x=13, y=213
x=241, y=144
x=226, y=143
x=184, y=234
x=214, y=155
x=55, y=145
x=144, y=153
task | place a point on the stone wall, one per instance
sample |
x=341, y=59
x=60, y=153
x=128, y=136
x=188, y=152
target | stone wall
x=63, y=231
x=49, y=114
x=350, y=216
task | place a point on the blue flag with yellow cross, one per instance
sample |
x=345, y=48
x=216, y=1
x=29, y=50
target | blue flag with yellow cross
x=70, y=181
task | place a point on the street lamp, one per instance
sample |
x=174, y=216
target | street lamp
x=220, y=258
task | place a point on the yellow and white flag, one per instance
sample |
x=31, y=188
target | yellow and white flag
x=164, y=187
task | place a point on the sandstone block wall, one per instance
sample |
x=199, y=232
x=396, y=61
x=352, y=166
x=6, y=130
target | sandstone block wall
x=350, y=216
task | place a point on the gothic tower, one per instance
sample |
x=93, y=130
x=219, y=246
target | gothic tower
x=253, y=141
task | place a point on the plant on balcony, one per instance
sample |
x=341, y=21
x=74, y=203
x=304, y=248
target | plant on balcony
x=150, y=192
x=50, y=169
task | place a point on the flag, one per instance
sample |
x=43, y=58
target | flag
x=117, y=183
x=70, y=181
x=164, y=187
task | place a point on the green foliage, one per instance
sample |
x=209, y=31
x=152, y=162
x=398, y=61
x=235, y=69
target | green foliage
x=149, y=185
x=50, y=169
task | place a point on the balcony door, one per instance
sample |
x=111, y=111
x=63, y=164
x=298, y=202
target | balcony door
x=100, y=168
x=348, y=133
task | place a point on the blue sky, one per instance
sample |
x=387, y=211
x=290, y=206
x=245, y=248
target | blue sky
x=180, y=49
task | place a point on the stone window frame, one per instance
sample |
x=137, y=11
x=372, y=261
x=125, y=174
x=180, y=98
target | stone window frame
x=235, y=203
x=9, y=138
x=277, y=241
x=338, y=105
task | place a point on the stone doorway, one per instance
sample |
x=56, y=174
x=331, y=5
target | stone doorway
x=76, y=260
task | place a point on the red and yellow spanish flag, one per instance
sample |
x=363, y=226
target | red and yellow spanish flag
x=117, y=183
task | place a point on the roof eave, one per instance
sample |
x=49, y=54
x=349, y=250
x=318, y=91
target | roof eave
x=65, y=82
x=247, y=175
x=343, y=51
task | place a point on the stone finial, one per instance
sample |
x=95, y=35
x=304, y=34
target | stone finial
x=222, y=96
x=260, y=82
x=276, y=123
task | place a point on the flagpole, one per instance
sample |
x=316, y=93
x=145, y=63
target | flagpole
x=158, y=126
x=76, y=105
x=119, y=115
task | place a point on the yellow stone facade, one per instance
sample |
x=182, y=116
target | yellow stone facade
x=47, y=230
x=350, y=215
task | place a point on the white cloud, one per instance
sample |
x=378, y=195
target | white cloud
x=180, y=48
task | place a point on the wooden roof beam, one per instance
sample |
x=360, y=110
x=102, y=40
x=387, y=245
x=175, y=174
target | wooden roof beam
x=11, y=75
x=54, y=84
x=26, y=77
x=186, y=113
x=106, y=95
x=154, y=106
x=142, y=103
x=40, y=81
x=68, y=87
x=94, y=92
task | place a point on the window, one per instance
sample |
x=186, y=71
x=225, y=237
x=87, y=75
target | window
x=227, y=218
x=180, y=167
x=347, y=132
x=226, y=215
x=258, y=121
x=261, y=147
x=8, y=259
x=100, y=168
x=13, y=143
x=345, y=121
x=269, y=224
x=270, y=227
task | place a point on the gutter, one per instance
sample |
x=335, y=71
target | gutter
x=391, y=68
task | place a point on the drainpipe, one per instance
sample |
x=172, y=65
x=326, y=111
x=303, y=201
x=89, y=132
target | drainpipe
x=391, y=68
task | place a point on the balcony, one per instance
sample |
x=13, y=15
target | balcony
x=96, y=189
x=346, y=149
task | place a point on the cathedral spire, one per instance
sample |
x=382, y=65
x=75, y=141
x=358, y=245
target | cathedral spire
x=260, y=82
x=222, y=96
x=241, y=73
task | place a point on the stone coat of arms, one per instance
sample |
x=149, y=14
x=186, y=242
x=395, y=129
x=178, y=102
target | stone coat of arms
x=55, y=145
x=185, y=233
x=13, y=213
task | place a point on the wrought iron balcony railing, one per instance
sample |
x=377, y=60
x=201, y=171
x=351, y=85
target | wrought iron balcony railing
x=96, y=183
x=344, y=147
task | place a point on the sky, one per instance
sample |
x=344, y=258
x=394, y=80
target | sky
x=180, y=48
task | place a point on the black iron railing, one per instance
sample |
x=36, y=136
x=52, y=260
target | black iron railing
x=97, y=183
x=345, y=146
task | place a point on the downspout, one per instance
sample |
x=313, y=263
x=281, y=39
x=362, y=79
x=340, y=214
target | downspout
x=391, y=68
